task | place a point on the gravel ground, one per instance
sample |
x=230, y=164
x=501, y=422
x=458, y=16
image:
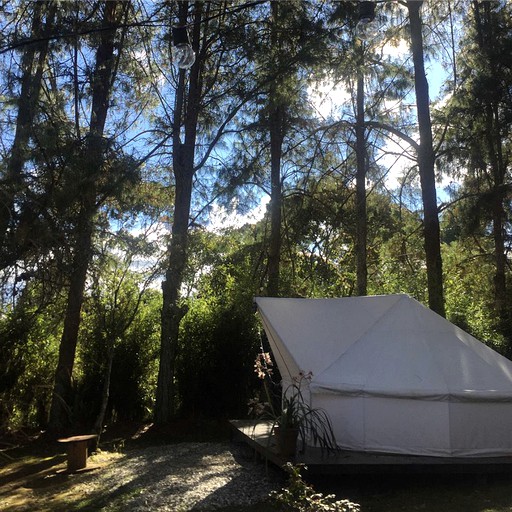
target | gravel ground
x=182, y=477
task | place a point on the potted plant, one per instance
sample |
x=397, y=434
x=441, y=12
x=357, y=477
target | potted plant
x=286, y=426
x=293, y=419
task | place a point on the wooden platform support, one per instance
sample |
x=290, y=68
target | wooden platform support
x=77, y=451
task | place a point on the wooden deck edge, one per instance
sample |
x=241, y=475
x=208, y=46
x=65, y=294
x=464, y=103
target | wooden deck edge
x=259, y=437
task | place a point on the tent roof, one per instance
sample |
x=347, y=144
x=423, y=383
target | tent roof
x=382, y=346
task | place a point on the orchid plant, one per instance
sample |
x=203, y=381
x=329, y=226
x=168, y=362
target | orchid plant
x=294, y=412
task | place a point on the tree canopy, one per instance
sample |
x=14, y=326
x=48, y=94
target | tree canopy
x=340, y=166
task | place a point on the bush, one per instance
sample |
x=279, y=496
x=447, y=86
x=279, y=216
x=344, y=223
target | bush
x=298, y=496
x=215, y=364
x=134, y=364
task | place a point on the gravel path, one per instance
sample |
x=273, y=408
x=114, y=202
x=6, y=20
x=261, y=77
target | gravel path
x=182, y=477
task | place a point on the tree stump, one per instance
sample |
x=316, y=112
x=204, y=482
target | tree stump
x=77, y=451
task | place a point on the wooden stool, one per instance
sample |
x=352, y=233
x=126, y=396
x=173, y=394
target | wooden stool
x=77, y=451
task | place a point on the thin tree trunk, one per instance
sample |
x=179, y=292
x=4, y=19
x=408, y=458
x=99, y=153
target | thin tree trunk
x=62, y=400
x=274, y=251
x=431, y=228
x=105, y=394
x=500, y=281
x=361, y=221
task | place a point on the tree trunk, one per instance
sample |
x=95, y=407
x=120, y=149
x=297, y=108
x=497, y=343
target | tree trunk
x=498, y=170
x=32, y=65
x=500, y=281
x=276, y=122
x=361, y=221
x=62, y=400
x=274, y=250
x=494, y=135
x=186, y=114
x=105, y=394
x=431, y=228
x=172, y=313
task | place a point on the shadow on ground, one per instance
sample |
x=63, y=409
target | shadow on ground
x=32, y=478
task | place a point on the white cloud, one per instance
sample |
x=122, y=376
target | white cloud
x=327, y=96
x=396, y=157
x=221, y=218
x=396, y=49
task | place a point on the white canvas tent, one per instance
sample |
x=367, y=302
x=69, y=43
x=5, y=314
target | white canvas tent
x=393, y=375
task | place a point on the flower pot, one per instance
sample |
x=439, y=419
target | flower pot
x=287, y=440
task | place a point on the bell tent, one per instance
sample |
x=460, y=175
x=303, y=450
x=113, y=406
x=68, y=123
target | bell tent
x=394, y=376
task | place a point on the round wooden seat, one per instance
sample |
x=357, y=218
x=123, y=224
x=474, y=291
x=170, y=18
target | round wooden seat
x=77, y=450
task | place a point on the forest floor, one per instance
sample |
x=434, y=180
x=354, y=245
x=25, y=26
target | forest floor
x=194, y=467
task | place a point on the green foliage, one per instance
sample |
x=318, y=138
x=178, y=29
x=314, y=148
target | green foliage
x=243, y=56
x=122, y=323
x=29, y=335
x=478, y=152
x=317, y=259
x=135, y=365
x=469, y=291
x=320, y=231
x=401, y=260
x=214, y=370
x=299, y=496
x=219, y=333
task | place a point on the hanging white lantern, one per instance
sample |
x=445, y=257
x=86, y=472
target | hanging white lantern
x=183, y=56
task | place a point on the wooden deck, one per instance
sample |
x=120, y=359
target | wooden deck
x=258, y=436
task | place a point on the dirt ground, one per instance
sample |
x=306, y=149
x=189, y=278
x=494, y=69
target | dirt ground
x=42, y=483
x=33, y=472
x=138, y=468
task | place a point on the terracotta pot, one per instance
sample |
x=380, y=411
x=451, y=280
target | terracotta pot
x=287, y=440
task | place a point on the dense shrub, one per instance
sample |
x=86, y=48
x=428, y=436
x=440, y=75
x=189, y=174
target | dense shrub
x=215, y=364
